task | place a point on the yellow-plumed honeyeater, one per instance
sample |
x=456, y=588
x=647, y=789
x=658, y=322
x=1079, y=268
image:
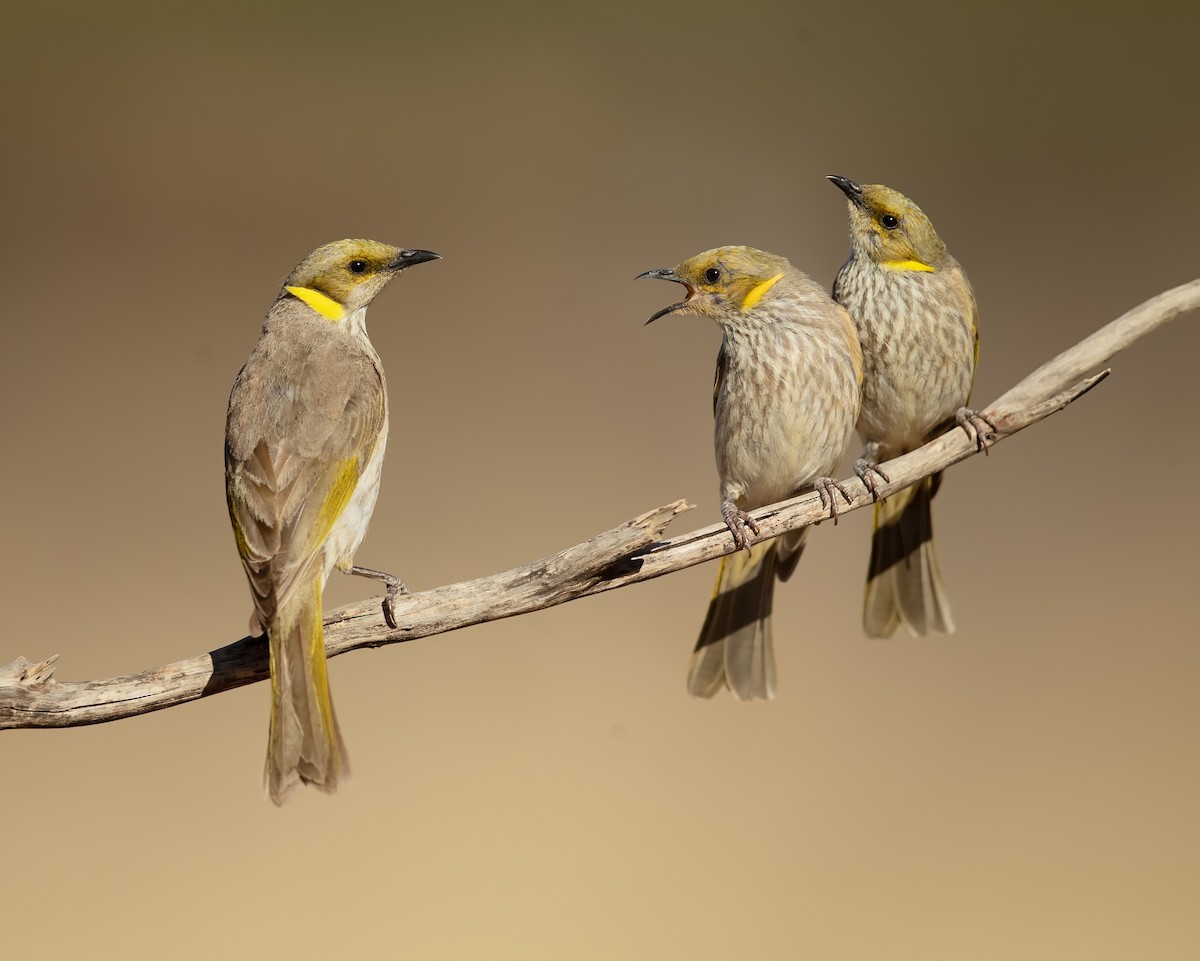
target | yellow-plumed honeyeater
x=304, y=443
x=918, y=325
x=785, y=400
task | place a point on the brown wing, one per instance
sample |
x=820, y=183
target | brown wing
x=719, y=376
x=970, y=311
x=303, y=421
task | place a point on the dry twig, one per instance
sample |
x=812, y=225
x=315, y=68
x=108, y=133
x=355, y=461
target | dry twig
x=634, y=551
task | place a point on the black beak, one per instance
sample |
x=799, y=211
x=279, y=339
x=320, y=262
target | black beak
x=410, y=258
x=665, y=273
x=848, y=187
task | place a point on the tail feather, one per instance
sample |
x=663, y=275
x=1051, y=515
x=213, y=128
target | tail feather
x=735, y=647
x=791, y=546
x=305, y=745
x=904, y=583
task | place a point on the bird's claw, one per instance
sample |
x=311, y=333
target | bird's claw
x=826, y=488
x=867, y=471
x=739, y=522
x=978, y=427
x=395, y=587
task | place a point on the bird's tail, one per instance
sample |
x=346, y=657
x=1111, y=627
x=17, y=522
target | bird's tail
x=305, y=745
x=734, y=649
x=904, y=585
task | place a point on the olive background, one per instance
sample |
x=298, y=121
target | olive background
x=543, y=787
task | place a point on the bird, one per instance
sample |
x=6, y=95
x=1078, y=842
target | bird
x=305, y=436
x=918, y=324
x=785, y=400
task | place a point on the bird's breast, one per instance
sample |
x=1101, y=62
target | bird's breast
x=785, y=411
x=918, y=343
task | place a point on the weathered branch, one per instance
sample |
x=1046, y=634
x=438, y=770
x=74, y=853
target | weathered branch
x=634, y=551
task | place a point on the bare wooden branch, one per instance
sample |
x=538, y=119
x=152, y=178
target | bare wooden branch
x=632, y=552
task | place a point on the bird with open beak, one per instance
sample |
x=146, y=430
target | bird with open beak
x=785, y=400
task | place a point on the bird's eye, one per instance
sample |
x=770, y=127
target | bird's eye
x=358, y=266
x=712, y=275
x=889, y=222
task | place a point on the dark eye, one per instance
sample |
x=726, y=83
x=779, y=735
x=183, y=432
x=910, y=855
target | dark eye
x=889, y=222
x=358, y=266
x=712, y=275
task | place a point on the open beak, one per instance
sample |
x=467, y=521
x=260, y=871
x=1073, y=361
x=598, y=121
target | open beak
x=666, y=273
x=847, y=186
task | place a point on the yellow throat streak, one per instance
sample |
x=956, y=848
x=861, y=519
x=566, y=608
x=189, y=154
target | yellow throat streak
x=757, y=291
x=327, y=307
x=907, y=265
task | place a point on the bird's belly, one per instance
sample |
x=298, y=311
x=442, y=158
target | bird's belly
x=351, y=526
x=913, y=384
x=765, y=455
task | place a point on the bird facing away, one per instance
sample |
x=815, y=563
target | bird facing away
x=785, y=400
x=304, y=442
x=918, y=325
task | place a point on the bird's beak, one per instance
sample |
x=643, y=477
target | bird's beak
x=410, y=258
x=667, y=273
x=852, y=190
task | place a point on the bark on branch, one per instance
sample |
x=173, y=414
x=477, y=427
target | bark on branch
x=635, y=551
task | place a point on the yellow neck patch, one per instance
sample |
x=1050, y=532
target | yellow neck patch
x=757, y=291
x=327, y=307
x=907, y=265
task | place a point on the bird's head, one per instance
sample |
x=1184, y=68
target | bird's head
x=890, y=229
x=339, y=278
x=724, y=283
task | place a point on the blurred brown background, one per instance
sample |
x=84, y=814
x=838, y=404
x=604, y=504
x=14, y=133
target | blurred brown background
x=543, y=787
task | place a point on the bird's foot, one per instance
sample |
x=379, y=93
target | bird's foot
x=827, y=488
x=978, y=427
x=395, y=587
x=740, y=525
x=867, y=471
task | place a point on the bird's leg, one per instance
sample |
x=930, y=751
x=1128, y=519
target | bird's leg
x=395, y=587
x=738, y=522
x=826, y=488
x=867, y=467
x=974, y=422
